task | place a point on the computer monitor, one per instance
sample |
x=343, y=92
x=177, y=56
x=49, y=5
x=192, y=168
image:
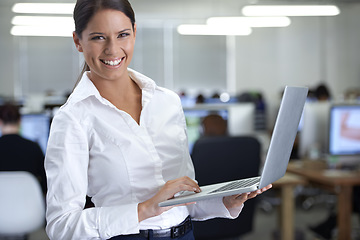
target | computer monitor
x=36, y=127
x=313, y=130
x=344, y=132
x=240, y=119
x=194, y=117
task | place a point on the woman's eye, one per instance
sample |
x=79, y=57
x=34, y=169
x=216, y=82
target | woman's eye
x=97, y=38
x=123, y=35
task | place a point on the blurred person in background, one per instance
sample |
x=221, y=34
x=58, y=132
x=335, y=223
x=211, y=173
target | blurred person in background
x=214, y=125
x=18, y=153
x=322, y=93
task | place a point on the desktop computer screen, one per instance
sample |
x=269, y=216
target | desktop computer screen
x=194, y=119
x=344, y=130
x=313, y=129
x=240, y=119
x=36, y=127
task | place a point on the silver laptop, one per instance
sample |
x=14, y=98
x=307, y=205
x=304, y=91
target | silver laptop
x=277, y=158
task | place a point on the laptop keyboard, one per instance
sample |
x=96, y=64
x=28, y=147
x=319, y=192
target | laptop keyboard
x=238, y=184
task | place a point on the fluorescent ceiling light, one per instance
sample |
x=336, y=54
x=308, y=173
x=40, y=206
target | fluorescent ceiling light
x=43, y=21
x=42, y=26
x=40, y=31
x=44, y=8
x=291, y=10
x=195, y=29
x=250, y=21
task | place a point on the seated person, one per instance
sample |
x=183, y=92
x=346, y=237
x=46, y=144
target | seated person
x=322, y=93
x=18, y=153
x=214, y=125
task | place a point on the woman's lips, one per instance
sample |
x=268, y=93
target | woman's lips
x=112, y=62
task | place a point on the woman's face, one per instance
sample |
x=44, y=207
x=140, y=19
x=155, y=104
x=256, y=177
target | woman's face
x=107, y=44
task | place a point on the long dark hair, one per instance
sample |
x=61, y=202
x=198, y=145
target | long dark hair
x=85, y=9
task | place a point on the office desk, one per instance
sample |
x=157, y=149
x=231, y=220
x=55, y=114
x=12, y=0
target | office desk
x=339, y=182
x=286, y=209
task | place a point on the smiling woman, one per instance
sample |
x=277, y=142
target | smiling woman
x=84, y=11
x=121, y=140
x=107, y=43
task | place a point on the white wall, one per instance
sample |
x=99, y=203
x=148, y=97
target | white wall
x=7, y=49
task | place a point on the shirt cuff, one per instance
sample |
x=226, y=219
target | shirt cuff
x=119, y=220
x=212, y=208
x=235, y=212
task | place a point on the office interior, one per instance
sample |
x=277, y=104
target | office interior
x=229, y=72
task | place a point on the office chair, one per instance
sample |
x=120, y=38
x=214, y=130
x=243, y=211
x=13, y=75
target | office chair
x=218, y=159
x=22, y=205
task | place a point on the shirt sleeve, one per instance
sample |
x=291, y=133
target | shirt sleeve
x=40, y=171
x=212, y=208
x=66, y=165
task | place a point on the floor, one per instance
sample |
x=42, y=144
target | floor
x=266, y=224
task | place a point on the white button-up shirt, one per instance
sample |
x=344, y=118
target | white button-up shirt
x=98, y=150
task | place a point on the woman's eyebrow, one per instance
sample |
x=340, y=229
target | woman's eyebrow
x=100, y=33
x=95, y=33
x=127, y=29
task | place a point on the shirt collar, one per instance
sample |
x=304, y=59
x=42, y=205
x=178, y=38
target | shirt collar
x=146, y=84
x=86, y=87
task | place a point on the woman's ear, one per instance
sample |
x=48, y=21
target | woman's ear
x=77, y=42
x=135, y=30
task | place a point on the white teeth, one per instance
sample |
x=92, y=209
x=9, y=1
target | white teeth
x=112, y=63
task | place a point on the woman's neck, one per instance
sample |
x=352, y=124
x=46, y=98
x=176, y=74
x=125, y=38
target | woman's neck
x=124, y=94
x=118, y=90
x=10, y=129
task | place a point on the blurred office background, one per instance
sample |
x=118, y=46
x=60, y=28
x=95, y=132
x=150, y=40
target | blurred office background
x=308, y=51
x=38, y=72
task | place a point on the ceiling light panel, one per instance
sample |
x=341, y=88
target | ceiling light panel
x=44, y=8
x=196, y=29
x=250, y=21
x=40, y=31
x=43, y=21
x=291, y=10
x=42, y=26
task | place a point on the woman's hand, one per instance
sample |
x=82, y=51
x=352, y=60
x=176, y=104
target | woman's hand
x=150, y=208
x=239, y=199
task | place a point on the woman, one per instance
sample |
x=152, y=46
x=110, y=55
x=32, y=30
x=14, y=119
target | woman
x=121, y=140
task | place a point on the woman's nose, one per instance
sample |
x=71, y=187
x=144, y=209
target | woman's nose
x=111, y=48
